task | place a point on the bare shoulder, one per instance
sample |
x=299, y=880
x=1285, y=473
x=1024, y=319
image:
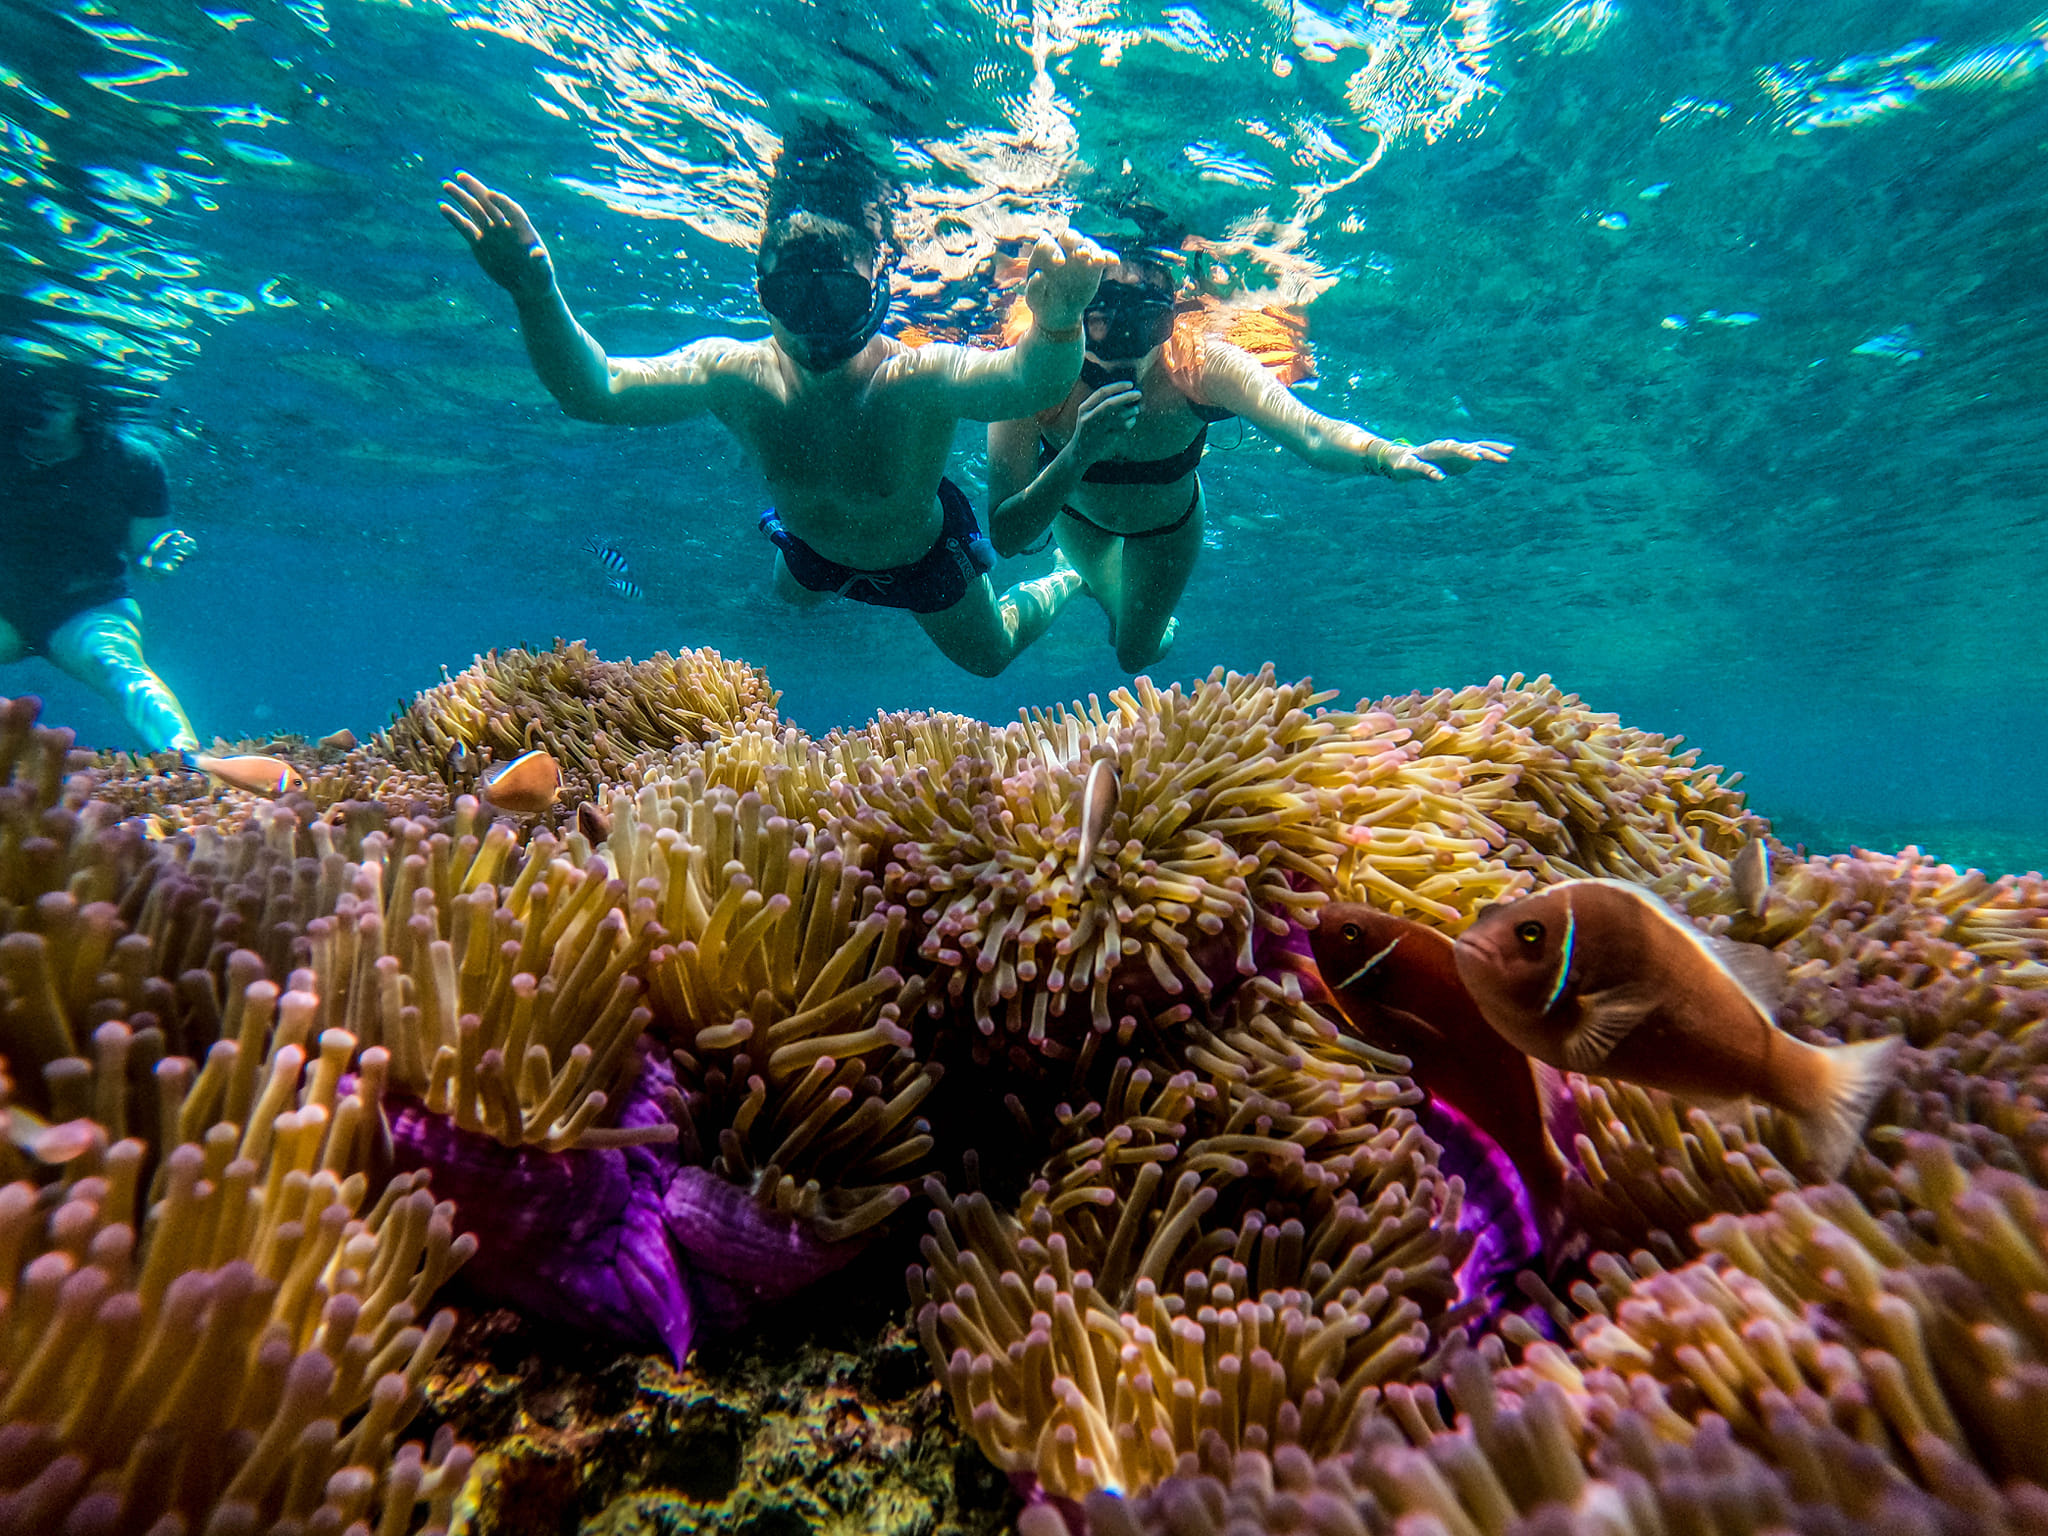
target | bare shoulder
x=935, y=363
x=709, y=360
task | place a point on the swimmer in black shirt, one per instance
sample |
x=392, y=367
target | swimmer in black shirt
x=81, y=501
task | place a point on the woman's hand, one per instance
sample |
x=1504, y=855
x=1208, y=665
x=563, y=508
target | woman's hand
x=1065, y=272
x=500, y=236
x=1105, y=422
x=167, y=551
x=1445, y=456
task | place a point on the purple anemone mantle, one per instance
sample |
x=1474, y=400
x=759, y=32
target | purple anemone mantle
x=633, y=1243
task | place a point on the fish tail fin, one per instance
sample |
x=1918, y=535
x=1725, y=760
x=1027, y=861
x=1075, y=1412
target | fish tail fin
x=1857, y=1078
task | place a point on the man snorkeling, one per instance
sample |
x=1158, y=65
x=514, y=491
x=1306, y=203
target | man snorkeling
x=81, y=500
x=1112, y=469
x=851, y=427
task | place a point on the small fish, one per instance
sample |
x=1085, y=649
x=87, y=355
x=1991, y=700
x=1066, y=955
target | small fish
x=52, y=1144
x=1600, y=976
x=1751, y=873
x=593, y=823
x=527, y=785
x=626, y=588
x=1099, y=793
x=257, y=774
x=460, y=765
x=607, y=557
x=1396, y=983
x=343, y=740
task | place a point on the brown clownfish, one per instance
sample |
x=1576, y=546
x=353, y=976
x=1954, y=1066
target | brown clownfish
x=1599, y=976
x=526, y=786
x=1397, y=984
x=253, y=772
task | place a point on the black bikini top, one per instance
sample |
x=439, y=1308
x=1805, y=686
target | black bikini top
x=1174, y=467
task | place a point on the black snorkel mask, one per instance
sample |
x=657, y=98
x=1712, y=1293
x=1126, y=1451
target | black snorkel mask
x=832, y=310
x=1124, y=322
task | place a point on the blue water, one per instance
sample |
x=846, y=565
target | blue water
x=1759, y=293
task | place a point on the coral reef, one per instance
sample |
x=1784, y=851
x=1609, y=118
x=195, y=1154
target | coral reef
x=1192, y=1259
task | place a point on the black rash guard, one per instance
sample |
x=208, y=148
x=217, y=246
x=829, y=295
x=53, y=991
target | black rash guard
x=64, y=531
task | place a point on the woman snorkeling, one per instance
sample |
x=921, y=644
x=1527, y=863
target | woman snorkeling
x=1112, y=469
x=82, y=502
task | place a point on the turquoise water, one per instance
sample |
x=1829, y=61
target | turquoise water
x=1759, y=293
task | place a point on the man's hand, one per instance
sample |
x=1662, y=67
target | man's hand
x=1065, y=272
x=1445, y=456
x=1105, y=421
x=167, y=551
x=500, y=236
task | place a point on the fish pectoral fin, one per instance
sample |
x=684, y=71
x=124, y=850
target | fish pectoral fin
x=1605, y=1019
x=1758, y=971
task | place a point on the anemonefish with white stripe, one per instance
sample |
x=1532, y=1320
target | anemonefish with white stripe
x=1099, y=793
x=252, y=772
x=526, y=786
x=1600, y=976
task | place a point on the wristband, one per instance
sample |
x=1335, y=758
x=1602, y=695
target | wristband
x=1061, y=333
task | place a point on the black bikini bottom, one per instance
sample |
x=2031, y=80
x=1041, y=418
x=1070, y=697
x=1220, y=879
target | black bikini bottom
x=1194, y=502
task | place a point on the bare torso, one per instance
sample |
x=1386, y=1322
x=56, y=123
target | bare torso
x=1164, y=427
x=853, y=456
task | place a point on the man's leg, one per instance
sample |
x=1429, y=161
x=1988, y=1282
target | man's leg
x=985, y=633
x=12, y=646
x=102, y=648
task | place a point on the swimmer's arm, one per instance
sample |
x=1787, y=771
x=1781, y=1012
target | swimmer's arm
x=1234, y=379
x=1036, y=374
x=589, y=385
x=623, y=391
x=1022, y=504
x=1022, y=510
x=979, y=385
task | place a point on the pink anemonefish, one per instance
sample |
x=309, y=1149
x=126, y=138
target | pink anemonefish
x=526, y=786
x=251, y=772
x=1099, y=794
x=1397, y=984
x=1600, y=976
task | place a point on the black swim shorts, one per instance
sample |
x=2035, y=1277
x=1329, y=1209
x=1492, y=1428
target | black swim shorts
x=932, y=583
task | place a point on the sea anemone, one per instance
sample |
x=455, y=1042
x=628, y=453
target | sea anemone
x=594, y=716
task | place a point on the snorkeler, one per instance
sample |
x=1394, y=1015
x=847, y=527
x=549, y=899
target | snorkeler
x=1112, y=468
x=81, y=500
x=851, y=427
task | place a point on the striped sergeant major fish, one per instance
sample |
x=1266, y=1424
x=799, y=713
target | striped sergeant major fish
x=607, y=556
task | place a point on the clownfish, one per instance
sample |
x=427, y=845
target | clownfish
x=1396, y=983
x=527, y=785
x=257, y=774
x=1600, y=976
x=343, y=740
x=1099, y=792
x=1750, y=873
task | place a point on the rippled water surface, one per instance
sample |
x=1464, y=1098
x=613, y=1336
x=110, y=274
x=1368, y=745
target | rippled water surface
x=1758, y=292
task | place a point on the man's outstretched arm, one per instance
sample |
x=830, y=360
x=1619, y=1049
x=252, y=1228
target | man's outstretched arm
x=568, y=360
x=1040, y=369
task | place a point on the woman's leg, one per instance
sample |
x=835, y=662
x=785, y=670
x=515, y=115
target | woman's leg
x=102, y=648
x=1153, y=573
x=1098, y=557
x=12, y=646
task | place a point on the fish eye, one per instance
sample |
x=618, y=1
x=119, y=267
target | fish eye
x=1350, y=931
x=1530, y=933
